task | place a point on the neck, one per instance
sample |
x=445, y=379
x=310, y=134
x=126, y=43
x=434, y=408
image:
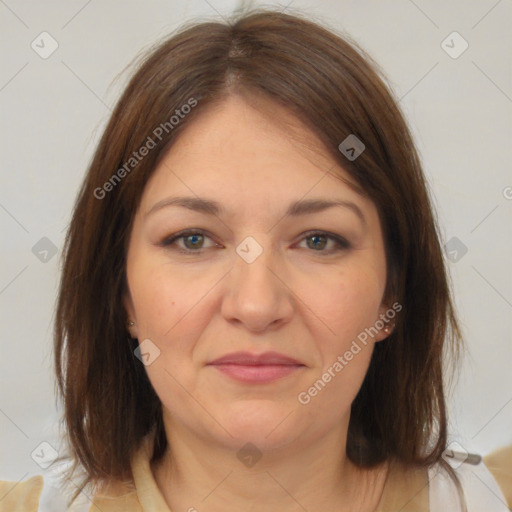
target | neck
x=314, y=476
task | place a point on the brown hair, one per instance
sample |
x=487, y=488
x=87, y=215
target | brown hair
x=334, y=87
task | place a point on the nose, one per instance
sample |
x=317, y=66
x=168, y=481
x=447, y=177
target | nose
x=257, y=294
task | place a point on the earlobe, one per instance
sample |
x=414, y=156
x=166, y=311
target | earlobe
x=385, y=322
x=130, y=314
x=132, y=329
x=384, y=333
x=387, y=330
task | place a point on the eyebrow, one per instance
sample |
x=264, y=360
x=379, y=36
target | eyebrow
x=295, y=209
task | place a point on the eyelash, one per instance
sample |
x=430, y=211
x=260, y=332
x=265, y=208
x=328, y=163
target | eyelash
x=341, y=243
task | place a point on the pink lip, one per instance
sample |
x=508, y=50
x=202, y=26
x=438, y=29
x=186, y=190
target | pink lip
x=256, y=368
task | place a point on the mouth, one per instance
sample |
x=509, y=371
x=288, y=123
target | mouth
x=254, y=368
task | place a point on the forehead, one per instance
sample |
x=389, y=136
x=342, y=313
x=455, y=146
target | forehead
x=254, y=155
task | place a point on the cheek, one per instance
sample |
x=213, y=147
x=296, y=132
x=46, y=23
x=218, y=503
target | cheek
x=349, y=305
x=170, y=311
x=346, y=303
x=165, y=299
x=173, y=309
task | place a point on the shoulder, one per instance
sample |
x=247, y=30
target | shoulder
x=479, y=487
x=38, y=494
x=406, y=489
x=499, y=464
x=432, y=489
x=21, y=496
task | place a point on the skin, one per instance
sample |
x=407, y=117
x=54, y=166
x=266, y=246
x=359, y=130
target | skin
x=296, y=299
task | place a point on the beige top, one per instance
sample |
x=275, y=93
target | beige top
x=405, y=491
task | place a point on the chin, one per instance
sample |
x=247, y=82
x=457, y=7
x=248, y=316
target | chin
x=263, y=423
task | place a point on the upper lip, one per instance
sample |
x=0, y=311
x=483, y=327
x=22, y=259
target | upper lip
x=246, y=358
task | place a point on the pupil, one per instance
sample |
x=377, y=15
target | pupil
x=318, y=239
x=194, y=239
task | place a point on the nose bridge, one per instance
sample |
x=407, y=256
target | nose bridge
x=257, y=296
x=254, y=262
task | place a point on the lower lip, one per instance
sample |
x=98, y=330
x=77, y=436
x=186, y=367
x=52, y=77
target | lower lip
x=257, y=373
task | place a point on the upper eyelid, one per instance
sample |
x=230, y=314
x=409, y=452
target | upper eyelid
x=338, y=239
x=185, y=233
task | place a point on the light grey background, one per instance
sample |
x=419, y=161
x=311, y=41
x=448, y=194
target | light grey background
x=54, y=110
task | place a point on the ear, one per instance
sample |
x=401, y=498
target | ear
x=385, y=321
x=130, y=315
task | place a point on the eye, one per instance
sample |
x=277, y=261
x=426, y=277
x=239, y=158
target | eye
x=318, y=240
x=193, y=241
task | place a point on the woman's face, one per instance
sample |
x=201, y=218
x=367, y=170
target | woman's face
x=257, y=273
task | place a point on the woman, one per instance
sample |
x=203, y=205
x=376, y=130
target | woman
x=254, y=309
